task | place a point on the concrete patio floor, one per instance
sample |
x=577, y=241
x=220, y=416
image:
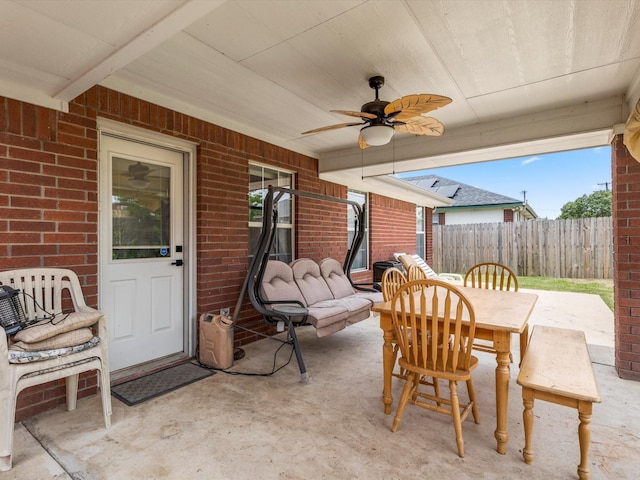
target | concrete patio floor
x=249, y=427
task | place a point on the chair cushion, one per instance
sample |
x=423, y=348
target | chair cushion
x=67, y=339
x=424, y=266
x=60, y=324
x=16, y=356
x=408, y=260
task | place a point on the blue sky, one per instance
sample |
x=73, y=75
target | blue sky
x=550, y=180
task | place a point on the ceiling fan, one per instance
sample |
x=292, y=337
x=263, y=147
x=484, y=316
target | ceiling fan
x=138, y=171
x=138, y=175
x=380, y=118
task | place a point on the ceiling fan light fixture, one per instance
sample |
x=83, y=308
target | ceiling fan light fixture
x=376, y=135
x=138, y=183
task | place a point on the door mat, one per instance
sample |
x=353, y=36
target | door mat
x=158, y=383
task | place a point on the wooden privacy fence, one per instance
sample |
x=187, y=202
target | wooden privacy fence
x=572, y=248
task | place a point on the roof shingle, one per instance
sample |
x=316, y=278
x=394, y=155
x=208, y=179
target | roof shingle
x=462, y=194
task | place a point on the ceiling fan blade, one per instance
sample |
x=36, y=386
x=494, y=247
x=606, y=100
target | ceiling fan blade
x=351, y=113
x=331, y=127
x=361, y=143
x=414, y=105
x=421, y=126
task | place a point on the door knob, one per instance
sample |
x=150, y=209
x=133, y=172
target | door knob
x=177, y=263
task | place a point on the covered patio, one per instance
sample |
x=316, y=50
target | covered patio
x=236, y=427
x=235, y=83
x=229, y=86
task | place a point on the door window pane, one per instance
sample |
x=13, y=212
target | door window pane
x=140, y=209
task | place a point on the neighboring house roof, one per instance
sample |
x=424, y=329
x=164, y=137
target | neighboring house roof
x=465, y=196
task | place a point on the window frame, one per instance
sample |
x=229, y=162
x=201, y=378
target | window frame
x=284, y=178
x=421, y=246
x=351, y=229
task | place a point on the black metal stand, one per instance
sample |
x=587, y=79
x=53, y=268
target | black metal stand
x=258, y=264
x=289, y=311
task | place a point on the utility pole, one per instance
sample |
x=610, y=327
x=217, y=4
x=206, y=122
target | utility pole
x=606, y=185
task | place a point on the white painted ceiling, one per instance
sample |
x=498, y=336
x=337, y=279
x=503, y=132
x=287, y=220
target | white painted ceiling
x=525, y=76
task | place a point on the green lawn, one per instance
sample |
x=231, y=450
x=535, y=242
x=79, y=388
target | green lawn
x=604, y=288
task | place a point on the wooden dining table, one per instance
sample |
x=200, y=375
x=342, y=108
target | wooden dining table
x=498, y=315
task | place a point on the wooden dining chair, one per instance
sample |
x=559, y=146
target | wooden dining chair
x=421, y=309
x=392, y=280
x=491, y=275
x=414, y=272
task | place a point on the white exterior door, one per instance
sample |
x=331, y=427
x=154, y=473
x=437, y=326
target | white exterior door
x=141, y=284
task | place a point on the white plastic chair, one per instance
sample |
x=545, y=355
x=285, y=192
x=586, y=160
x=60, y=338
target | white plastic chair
x=55, y=291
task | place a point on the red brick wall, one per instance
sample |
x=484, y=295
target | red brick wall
x=392, y=227
x=48, y=195
x=39, y=398
x=441, y=218
x=626, y=255
x=321, y=226
x=48, y=185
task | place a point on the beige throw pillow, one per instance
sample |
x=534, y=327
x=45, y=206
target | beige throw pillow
x=60, y=324
x=68, y=339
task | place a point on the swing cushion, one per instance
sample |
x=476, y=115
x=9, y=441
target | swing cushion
x=340, y=285
x=316, y=290
x=337, y=281
x=302, y=282
x=278, y=285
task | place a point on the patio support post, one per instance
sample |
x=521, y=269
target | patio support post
x=626, y=259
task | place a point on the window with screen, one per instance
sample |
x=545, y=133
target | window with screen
x=361, y=261
x=260, y=177
x=420, y=232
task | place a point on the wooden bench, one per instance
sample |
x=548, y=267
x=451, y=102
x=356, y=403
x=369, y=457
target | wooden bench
x=557, y=368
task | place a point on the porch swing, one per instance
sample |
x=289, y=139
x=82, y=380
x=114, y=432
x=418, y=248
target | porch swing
x=290, y=309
